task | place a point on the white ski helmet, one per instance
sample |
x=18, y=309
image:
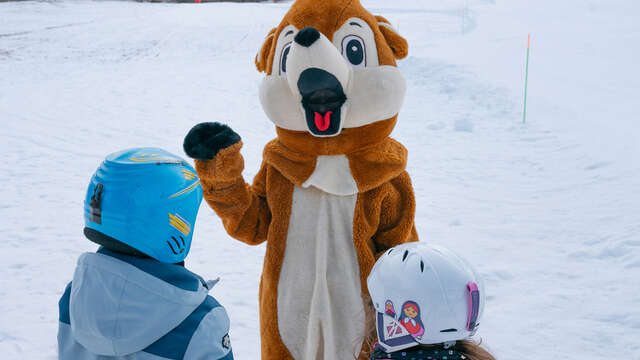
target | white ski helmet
x=424, y=294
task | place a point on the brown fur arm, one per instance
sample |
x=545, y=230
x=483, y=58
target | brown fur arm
x=243, y=208
x=396, y=215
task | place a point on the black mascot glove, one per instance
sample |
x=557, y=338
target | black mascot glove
x=205, y=140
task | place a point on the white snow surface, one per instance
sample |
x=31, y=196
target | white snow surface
x=549, y=211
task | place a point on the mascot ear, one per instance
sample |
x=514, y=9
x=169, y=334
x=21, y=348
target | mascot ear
x=262, y=58
x=397, y=43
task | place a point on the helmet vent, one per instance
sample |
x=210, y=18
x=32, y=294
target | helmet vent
x=389, y=252
x=448, y=330
x=421, y=266
x=404, y=256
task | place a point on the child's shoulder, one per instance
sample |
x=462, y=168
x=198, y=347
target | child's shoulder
x=201, y=334
x=169, y=302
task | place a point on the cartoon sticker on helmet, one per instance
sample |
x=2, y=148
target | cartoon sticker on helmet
x=392, y=334
x=388, y=309
x=179, y=223
x=185, y=190
x=155, y=158
x=188, y=174
x=410, y=319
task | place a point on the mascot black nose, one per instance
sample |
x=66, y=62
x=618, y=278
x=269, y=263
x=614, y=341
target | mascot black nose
x=307, y=36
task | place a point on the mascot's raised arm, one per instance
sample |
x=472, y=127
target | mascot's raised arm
x=332, y=192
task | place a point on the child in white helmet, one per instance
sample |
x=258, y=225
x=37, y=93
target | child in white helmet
x=428, y=302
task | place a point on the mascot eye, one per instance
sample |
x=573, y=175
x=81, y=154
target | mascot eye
x=353, y=50
x=283, y=58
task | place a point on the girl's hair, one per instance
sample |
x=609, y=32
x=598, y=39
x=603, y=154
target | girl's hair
x=472, y=350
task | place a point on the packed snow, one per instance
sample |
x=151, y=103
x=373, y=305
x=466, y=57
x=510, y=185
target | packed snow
x=549, y=211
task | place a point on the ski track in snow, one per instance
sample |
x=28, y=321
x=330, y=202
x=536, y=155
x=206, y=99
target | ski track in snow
x=548, y=211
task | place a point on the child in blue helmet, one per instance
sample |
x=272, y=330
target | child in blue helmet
x=133, y=298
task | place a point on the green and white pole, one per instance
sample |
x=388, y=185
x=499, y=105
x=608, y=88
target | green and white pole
x=526, y=80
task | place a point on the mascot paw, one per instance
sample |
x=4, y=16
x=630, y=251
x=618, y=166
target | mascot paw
x=205, y=140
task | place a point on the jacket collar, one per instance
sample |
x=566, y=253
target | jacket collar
x=174, y=274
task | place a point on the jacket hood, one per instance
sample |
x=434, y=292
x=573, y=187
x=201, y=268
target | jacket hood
x=121, y=304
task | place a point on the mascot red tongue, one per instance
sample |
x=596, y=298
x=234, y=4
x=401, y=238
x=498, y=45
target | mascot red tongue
x=323, y=122
x=332, y=193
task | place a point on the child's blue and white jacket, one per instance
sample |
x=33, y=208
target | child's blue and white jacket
x=124, y=307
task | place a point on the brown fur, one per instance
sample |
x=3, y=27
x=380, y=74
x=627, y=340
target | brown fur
x=383, y=215
x=265, y=50
x=349, y=140
x=397, y=43
x=253, y=215
x=305, y=13
x=385, y=206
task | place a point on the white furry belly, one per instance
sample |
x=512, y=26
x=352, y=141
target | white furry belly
x=320, y=310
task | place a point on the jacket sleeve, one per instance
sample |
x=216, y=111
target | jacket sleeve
x=211, y=338
x=397, y=214
x=242, y=207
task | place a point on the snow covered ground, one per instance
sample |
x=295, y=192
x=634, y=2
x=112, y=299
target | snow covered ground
x=549, y=211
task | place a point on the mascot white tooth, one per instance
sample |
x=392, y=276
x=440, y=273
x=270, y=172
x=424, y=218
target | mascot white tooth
x=332, y=193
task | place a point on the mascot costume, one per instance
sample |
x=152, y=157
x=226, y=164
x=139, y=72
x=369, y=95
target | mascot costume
x=332, y=193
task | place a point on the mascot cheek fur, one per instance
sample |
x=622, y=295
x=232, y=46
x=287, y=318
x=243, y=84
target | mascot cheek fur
x=332, y=193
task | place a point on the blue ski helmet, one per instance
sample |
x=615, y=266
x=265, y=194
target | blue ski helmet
x=147, y=199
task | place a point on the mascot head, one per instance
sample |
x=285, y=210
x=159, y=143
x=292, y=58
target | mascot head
x=331, y=80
